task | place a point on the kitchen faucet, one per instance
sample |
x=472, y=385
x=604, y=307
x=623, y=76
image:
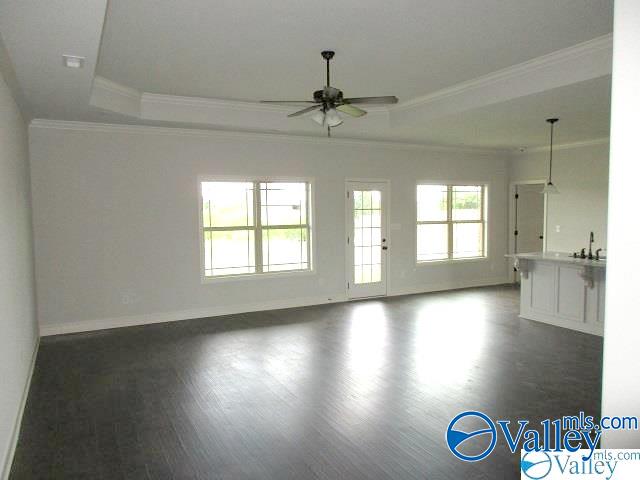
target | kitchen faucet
x=583, y=254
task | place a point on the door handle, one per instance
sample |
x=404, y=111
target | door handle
x=385, y=247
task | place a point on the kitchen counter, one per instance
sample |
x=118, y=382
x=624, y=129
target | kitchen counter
x=559, y=257
x=558, y=289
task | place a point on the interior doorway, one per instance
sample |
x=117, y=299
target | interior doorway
x=528, y=221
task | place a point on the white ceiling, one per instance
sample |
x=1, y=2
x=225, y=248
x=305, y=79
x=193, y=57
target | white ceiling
x=36, y=35
x=256, y=50
x=250, y=50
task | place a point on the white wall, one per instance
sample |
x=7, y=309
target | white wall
x=581, y=175
x=18, y=328
x=621, y=381
x=116, y=214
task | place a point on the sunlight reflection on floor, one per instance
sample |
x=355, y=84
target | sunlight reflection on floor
x=448, y=340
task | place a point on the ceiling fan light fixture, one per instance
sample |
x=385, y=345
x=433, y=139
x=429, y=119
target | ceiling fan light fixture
x=332, y=118
x=330, y=100
x=318, y=117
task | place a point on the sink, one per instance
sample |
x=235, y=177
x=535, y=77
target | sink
x=602, y=257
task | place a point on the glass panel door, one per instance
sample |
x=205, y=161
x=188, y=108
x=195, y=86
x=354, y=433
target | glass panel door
x=366, y=240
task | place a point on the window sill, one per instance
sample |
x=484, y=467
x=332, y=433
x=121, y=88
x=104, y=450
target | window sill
x=452, y=261
x=257, y=276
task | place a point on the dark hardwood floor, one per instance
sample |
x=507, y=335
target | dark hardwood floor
x=361, y=390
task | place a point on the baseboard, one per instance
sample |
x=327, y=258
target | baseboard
x=8, y=461
x=450, y=285
x=150, y=318
x=146, y=319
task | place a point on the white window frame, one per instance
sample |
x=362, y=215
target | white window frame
x=450, y=222
x=257, y=228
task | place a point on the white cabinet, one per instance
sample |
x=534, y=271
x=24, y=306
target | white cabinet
x=562, y=291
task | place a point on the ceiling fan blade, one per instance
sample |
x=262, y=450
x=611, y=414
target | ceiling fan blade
x=305, y=110
x=372, y=100
x=288, y=102
x=351, y=110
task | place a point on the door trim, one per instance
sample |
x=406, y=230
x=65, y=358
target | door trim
x=347, y=227
x=512, y=219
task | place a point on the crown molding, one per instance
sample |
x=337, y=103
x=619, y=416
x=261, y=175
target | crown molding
x=119, y=98
x=240, y=105
x=112, y=96
x=588, y=48
x=230, y=114
x=568, y=146
x=116, y=88
x=256, y=136
x=579, y=63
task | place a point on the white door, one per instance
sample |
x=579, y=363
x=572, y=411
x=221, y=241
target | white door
x=529, y=218
x=367, y=242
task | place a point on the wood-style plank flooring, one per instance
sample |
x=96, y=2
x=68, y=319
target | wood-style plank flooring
x=361, y=390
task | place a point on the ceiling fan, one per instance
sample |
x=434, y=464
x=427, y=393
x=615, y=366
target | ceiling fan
x=329, y=101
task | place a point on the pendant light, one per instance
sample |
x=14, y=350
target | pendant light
x=550, y=187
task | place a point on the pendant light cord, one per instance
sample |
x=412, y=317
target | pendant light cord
x=551, y=154
x=551, y=121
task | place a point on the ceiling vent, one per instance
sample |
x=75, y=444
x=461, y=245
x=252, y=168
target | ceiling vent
x=71, y=61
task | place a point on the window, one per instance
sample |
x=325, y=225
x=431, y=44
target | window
x=255, y=227
x=367, y=236
x=451, y=222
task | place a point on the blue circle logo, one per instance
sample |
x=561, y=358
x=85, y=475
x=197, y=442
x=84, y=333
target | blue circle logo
x=457, y=438
x=536, y=465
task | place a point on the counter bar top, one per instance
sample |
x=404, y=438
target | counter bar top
x=561, y=257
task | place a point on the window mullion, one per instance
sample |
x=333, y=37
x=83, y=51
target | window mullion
x=257, y=215
x=450, y=221
x=483, y=218
x=283, y=227
x=307, y=222
x=227, y=229
x=432, y=222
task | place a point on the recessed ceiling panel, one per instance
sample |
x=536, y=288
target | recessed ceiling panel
x=252, y=49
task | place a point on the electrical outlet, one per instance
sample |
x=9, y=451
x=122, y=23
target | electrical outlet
x=129, y=297
x=557, y=228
